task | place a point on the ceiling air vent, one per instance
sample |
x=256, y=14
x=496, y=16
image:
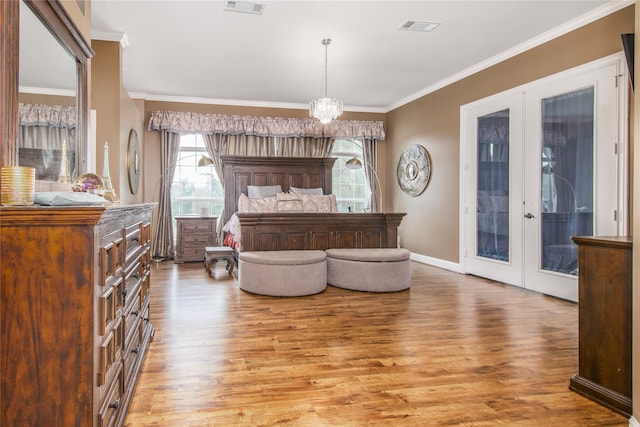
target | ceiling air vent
x=244, y=7
x=422, y=26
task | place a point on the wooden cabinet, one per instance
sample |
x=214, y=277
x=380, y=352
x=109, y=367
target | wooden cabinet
x=193, y=234
x=605, y=319
x=75, y=294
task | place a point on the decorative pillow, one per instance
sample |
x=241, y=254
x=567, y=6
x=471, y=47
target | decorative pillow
x=243, y=203
x=314, y=203
x=265, y=204
x=288, y=202
x=312, y=191
x=261, y=191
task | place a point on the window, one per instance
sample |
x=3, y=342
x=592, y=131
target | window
x=349, y=185
x=195, y=188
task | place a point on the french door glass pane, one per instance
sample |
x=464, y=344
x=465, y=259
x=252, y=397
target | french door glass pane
x=566, y=177
x=492, y=213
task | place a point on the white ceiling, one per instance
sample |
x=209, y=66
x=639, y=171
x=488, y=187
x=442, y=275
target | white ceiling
x=197, y=50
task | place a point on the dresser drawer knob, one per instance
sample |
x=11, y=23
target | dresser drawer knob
x=135, y=350
x=114, y=405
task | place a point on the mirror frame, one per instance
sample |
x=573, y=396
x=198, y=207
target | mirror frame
x=53, y=16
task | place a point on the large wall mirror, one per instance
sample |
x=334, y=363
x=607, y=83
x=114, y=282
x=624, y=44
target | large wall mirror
x=45, y=91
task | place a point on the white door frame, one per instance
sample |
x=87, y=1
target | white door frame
x=621, y=145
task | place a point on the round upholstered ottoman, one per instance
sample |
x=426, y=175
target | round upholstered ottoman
x=283, y=273
x=370, y=270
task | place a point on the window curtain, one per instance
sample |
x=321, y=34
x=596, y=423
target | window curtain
x=278, y=127
x=305, y=147
x=218, y=144
x=163, y=245
x=43, y=129
x=370, y=157
x=250, y=145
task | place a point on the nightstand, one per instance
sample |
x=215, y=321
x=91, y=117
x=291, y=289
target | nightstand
x=194, y=233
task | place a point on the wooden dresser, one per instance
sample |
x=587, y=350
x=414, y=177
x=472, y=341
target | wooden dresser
x=74, y=298
x=193, y=234
x=605, y=319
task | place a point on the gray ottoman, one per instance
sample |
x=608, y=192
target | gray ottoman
x=370, y=270
x=283, y=273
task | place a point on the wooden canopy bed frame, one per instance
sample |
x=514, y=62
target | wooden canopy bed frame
x=300, y=230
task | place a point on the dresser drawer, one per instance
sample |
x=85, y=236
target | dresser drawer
x=110, y=353
x=132, y=353
x=110, y=409
x=133, y=279
x=111, y=257
x=132, y=315
x=133, y=241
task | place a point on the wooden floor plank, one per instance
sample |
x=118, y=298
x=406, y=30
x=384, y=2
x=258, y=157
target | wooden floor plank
x=453, y=350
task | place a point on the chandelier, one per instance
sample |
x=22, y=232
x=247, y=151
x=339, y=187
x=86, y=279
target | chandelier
x=325, y=109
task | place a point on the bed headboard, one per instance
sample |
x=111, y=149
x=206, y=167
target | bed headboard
x=302, y=172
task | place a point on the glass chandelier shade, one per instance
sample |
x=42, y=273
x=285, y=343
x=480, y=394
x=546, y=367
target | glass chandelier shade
x=325, y=109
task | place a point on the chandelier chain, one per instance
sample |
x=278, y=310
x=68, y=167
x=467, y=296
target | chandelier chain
x=326, y=43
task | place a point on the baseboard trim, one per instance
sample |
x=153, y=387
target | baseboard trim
x=436, y=262
x=633, y=422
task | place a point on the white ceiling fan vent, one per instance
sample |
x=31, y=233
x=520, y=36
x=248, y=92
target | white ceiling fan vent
x=422, y=26
x=244, y=7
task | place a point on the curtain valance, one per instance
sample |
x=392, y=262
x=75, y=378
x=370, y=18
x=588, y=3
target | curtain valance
x=182, y=122
x=57, y=116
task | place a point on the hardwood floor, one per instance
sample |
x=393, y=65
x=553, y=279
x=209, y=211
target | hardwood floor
x=452, y=350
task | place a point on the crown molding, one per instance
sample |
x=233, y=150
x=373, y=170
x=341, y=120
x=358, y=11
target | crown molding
x=587, y=18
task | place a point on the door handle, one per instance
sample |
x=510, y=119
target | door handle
x=529, y=215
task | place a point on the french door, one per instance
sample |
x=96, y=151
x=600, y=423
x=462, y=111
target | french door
x=540, y=165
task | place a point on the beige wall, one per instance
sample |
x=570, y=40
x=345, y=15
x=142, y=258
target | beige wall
x=431, y=227
x=80, y=13
x=35, y=98
x=116, y=115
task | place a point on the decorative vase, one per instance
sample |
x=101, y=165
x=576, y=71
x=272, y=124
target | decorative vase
x=17, y=185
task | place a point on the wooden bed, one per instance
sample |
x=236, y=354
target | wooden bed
x=301, y=230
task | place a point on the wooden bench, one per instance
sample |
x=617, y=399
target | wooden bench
x=214, y=253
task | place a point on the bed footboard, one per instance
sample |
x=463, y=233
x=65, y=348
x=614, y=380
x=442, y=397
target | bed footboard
x=296, y=231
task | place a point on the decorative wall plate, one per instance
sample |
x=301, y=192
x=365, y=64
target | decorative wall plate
x=414, y=170
x=133, y=161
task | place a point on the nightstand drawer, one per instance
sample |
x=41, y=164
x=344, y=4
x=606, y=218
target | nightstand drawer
x=197, y=226
x=197, y=238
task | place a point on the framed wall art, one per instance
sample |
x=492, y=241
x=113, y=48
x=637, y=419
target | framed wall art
x=414, y=170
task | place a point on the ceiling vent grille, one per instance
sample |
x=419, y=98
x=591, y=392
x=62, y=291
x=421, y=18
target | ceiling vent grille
x=244, y=7
x=421, y=26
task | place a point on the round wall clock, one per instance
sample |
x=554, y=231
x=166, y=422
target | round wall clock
x=133, y=161
x=414, y=170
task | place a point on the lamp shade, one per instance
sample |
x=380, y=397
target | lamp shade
x=204, y=161
x=354, y=163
